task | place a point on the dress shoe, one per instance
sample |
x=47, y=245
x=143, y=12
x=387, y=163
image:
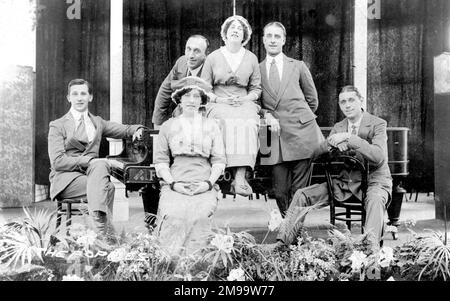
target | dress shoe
x=100, y=221
x=104, y=228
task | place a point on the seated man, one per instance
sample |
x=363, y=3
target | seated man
x=73, y=147
x=365, y=134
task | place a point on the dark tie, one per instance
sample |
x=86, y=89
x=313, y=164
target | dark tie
x=274, y=76
x=81, y=133
x=189, y=73
x=354, y=130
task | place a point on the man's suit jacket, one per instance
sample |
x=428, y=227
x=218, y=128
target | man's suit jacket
x=69, y=158
x=163, y=100
x=371, y=144
x=294, y=106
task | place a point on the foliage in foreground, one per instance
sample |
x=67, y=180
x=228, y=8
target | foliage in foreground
x=32, y=250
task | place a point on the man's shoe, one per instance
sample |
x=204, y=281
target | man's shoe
x=100, y=222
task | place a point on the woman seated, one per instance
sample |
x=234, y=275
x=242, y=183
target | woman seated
x=189, y=195
x=234, y=74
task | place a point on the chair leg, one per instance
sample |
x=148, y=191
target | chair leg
x=348, y=215
x=332, y=215
x=417, y=195
x=363, y=220
x=69, y=217
x=58, y=215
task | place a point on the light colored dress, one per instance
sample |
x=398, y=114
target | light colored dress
x=195, y=148
x=235, y=75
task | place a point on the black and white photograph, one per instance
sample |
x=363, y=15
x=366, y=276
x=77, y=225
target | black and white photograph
x=244, y=143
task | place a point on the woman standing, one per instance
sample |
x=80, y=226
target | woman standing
x=234, y=74
x=188, y=194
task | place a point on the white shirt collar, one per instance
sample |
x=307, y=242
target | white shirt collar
x=77, y=115
x=195, y=71
x=278, y=59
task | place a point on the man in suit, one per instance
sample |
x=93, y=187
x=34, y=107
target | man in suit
x=289, y=100
x=190, y=64
x=366, y=135
x=73, y=147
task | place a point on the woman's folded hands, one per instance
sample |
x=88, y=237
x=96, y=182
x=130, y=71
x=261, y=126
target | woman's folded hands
x=191, y=188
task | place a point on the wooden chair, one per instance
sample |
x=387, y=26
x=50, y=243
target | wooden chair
x=354, y=210
x=68, y=211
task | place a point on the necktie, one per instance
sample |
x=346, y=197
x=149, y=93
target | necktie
x=354, y=130
x=274, y=77
x=81, y=133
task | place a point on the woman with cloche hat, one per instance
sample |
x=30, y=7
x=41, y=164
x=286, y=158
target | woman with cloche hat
x=233, y=71
x=189, y=195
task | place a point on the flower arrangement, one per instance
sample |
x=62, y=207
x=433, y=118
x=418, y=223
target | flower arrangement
x=30, y=250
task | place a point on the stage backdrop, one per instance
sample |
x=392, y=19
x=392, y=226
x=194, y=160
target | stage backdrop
x=67, y=49
x=155, y=32
x=401, y=47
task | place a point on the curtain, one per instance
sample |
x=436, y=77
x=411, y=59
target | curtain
x=68, y=49
x=155, y=32
x=401, y=46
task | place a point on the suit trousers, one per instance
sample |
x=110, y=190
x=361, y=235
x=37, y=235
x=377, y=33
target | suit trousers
x=316, y=197
x=287, y=178
x=96, y=185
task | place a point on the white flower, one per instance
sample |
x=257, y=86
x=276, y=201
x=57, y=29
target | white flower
x=236, y=275
x=358, y=260
x=87, y=239
x=77, y=230
x=410, y=223
x=187, y=277
x=117, y=255
x=223, y=242
x=72, y=278
x=391, y=229
x=275, y=220
x=386, y=256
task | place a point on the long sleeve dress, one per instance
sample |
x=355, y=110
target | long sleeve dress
x=239, y=125
x=195, y=148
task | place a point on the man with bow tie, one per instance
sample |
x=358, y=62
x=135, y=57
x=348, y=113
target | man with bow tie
x=288, y=102
x=73, y=148
x=190, y=64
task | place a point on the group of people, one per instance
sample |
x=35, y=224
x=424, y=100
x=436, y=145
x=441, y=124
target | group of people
x=208, y=112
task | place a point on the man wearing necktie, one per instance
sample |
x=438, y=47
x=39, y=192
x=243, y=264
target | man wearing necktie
x=73, y=148
x=289, y=100
x=190, y=64
x=366, y=135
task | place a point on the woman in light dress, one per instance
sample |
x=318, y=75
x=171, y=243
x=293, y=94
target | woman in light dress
x=189, y=195
x=234, y=74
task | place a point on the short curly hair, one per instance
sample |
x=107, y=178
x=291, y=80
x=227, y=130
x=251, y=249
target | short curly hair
x=245, y=26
